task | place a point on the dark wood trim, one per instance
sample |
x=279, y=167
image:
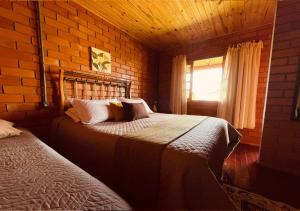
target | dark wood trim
x=39, y=30
x=294, y=114
x=191, y=82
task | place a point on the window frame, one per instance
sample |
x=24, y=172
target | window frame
x=191, y=63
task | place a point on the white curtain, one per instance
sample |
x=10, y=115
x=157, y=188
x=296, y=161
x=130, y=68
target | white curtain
x=239, y=84
x=178, y=101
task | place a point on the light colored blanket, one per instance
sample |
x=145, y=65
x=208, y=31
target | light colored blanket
x=164, y=132
x=138, y=158
x=190, y=165
x=35, y=177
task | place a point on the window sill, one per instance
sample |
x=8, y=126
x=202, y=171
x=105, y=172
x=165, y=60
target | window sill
x=203, y=101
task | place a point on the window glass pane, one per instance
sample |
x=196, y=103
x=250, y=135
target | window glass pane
x=207, y=76
x=207, y=84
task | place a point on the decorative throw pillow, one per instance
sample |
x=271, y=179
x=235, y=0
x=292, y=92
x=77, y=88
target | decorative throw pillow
x=117, y=110
x=92, y=111
x=71, y=112
x=137, y=100
x=134, y=111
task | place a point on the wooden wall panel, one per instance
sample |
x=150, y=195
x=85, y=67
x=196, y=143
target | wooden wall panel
x=162, y=24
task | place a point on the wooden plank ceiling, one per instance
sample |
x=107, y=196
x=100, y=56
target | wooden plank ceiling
x=162, y=24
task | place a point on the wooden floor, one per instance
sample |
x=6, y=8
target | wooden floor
x=242, y=170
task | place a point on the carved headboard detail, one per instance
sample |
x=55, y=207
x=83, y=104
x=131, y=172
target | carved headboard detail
x=90, y=85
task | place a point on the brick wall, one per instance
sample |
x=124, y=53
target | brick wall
x=280, y=147
x=213, y=48
x=69, y=31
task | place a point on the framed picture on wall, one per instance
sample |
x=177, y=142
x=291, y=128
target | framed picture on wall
x=100, y=60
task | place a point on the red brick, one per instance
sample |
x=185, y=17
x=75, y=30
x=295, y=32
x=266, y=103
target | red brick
x=51, y=61
x=50, y=45
x=70, y=51
x=58, y=40
x=51, y=5
x=50, y=30
x=86, y=17
x=7, y=24
x=25, y=47
x=19, y=90
x=9, y=80
x=30, y=82
x=18, y=72
x=86, y=30
x=285, y=69
x=56, y=24
x=282, y=45
x=21, y=106
x=6, y=4
x=49, y=13
x=67, y=7
x=7, y=43
x=25, y=29
x=19, y=9
x=70, y=65
x=66, y=21
x=8, y=62
x=32, y=98
x=58, y=55
x=79, y=60
x=77, y=33
x=295, y=43
x=67, y=36
x=4, y=98
x=279, y=62
x=13, y=35
x=28, y=65
x=9, y=14
x=94, y=28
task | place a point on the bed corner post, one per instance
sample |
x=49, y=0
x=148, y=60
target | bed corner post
x=128, y=87
x=61, y=90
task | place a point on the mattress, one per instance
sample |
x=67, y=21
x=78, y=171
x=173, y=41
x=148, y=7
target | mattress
x=191, y=165
x=35, y=177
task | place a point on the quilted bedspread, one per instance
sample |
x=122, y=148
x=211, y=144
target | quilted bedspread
x=190, y=167
x=35, y=177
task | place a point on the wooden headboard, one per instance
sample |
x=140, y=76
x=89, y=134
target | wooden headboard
x=90, y=85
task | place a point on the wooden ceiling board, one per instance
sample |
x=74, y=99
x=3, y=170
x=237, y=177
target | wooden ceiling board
x=162, y=24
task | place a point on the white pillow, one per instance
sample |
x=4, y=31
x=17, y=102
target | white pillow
x=71, y=112
x=92, y=111
x=137, y=100
x=5, y=123
x=7, y=130
x=104, y=101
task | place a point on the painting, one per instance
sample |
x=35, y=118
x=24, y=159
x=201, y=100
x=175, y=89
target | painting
x=100, y=60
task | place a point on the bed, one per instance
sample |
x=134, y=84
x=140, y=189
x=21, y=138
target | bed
x=180, y=170
x=35, y=177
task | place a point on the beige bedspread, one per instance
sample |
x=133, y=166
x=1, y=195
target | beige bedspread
x=138, y=158
x=35, y=177
x=190, y=166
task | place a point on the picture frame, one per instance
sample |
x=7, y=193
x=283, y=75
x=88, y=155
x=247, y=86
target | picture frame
x=100, y=60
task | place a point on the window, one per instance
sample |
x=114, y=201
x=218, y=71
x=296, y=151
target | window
x=203, y=79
